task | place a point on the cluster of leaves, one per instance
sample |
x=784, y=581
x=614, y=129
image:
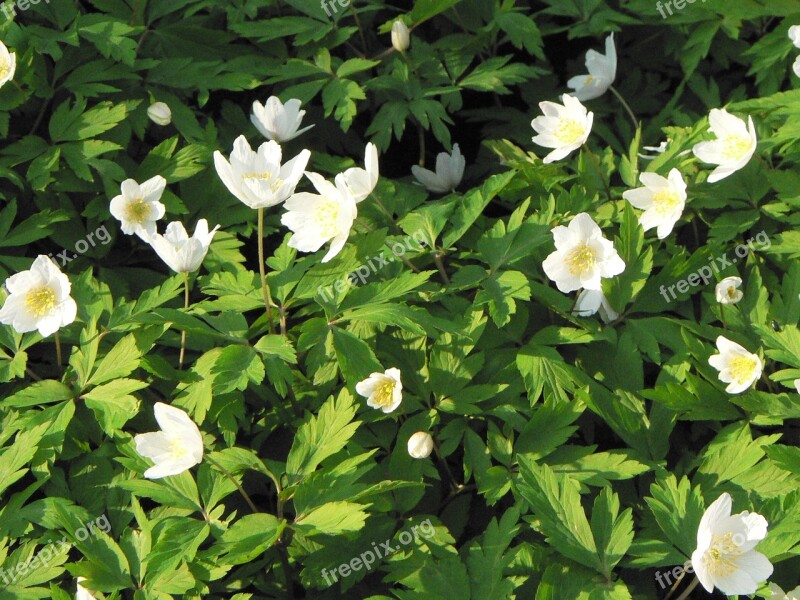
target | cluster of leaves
x=574, y=459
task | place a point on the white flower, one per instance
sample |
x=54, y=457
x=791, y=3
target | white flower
x=81, y=593
x=797, y=385
x=727, y=290
x=602, y=72
x=382, y=390
x=735, y=144
x=420, y=445
x=401, y=39
x=160, y=113
x=174, y=449
x=183, y=254
x=779, y=594
x=449, y=172
x=794, y=35
x=138, y=207
x=277, y=121
x=362, y=181
x=725, y=557
x=796, y=66
x=737, y=367
x=318, y=218
x=656, y=150
x=582, y=257
x=8, y=64
x=590, y=302
x=39, y=299
x=662, y=199
x=563, y=127
x=257, y=178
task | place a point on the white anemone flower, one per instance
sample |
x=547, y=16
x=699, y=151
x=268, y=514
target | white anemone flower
x=160, y=113
x=176, y=448
x=138, y=207
x=277, y=121
x=725, y=557
x=8, y=64
x=590, y=302
x=583, y=257
x=39, y=299
x=81, y=593
x=420, y=445
x=727, y=290
x=318, y=218
x=449, y=172
x=360, y=181
x=737, y=367
x=401, y=37
x=257, y=178
x=662, y=199
x=794, y=35
x=382, y=390
x=563, y=127
x=602, y=72
x=779, y=594
x=183, y=254
x=734, y=147
x=797, y=385
x=796, y=66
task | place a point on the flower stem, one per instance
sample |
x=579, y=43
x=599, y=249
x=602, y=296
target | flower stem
x=627, y=107
x=688, y=590
x=58, y=352
x=596, y=162
x=437, y=258
x=183, y=333
x=262, y=268
x=227, y=474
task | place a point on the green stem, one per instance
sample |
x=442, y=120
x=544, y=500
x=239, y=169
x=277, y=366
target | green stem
x=58, y=352
x=186, y=306
x=688, y=591
x=262, y=268
x=626, y=106
x=227, y=474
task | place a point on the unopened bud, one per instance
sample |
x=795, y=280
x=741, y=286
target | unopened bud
x=401, y=39
x=160, y=114
x=420, y=445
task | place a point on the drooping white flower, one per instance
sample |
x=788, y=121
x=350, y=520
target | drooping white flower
x=727, y=290
x=277, y=121
x=401, y=39
x=257, y=178
x=796, y=66
x=590, y=302
x=602, y=72
x=725, y=557
x=316, y=219
x=81, y=593
x=563, y=127
x=174, y=449
x=449, y=172
x=39, y=299
x=420, y=445
x=662, y=199
x=183, y=254
x=582, y=256
x=656, y=150
x=160, y=113
x=382, y=390
x=737, y=367
x=8, y=64
x=360, y=181
x=138, y=207
x=779, y=594
x=794, y=35
x=734, y=147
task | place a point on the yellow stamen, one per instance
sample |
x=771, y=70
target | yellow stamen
x=327, y=215
x=742, y=368
x=665, y=201
x=177, y=449
x=40, y=301
x=581, y=259
x=569, y=131
x=5, y=68
x=384, y=393
x=137, y=211
x=734, y=147
x=265, y=176
x=721, y=556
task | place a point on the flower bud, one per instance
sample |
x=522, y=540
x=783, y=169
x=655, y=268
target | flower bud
x=420, y=445
x=401, y=38
x=160, y=114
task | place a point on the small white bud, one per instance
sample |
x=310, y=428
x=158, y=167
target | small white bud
x=160, y=114
x=420, y=445
x=401, y=38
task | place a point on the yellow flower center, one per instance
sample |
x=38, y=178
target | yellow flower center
x=734, y=147
x=177, y=449
x=666, y=201
x=384, y=393
x=569, y=131
x=40, y=301
x=721, y=556
x=581, y=260
x=327, y=215
x=5, y=68
x=265, y=176
x=137, y=211
x=742, y=368
x=731, y=292
x=589, y=80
